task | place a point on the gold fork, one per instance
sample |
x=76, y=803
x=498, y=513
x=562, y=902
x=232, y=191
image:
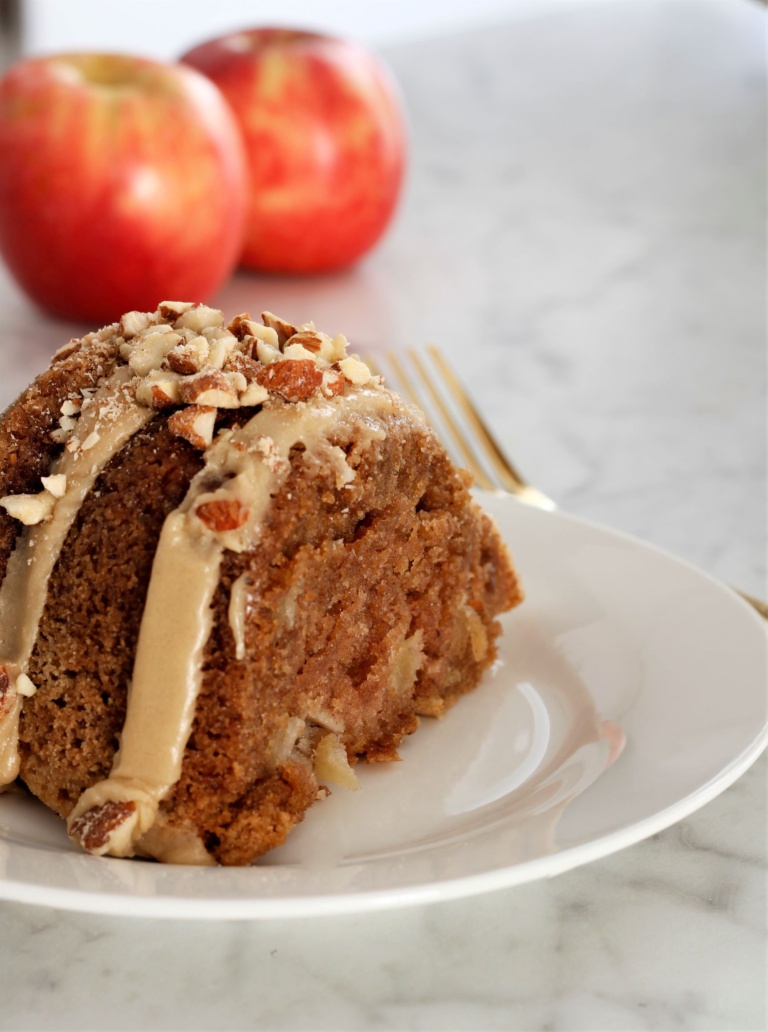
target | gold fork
x=458, y=423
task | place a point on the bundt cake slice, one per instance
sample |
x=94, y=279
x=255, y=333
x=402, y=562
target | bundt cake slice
x=233, y=564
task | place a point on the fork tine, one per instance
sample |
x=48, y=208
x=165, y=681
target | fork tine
x=502, y=466
x=397, y=373
x=459, y=423
x=468, y=456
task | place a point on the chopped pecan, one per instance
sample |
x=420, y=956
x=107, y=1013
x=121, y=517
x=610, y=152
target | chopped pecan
x=93, y=829
x=223, y=514
x=294, y=380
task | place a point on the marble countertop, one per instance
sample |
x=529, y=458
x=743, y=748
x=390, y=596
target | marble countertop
x=584, y=229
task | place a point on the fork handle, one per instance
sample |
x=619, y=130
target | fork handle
x=756, y=604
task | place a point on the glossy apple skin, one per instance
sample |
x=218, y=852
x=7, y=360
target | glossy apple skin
x=325, y=138
x=122, y=184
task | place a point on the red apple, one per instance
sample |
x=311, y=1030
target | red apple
x=325, y=140
x=122, y=183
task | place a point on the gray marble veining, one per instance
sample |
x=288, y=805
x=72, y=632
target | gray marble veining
x=584, y=234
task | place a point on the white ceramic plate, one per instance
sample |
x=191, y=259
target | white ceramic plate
x=615, y=640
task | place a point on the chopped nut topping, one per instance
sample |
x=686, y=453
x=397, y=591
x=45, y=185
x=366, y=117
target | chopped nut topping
x=195, y=424
x=294, y=380
x=356, y=372
x=311, y=340
x=240, y=363
x=189, y=357
x=335, y=349
x=132, y=323
x=94, y=828
x=91, y=440
x=183, y=354
x=283, y=329
x=64, y=430
x=254, y=394
x=223, y=514
x=220, y=350
x=67, y=349
x=297, y=351
x=256, y=332
x=173, y=309
x=210, y=387
x=159, y=390
x=266, y=353
x=25, y=687
x=56, y=484
x=151, y=349
x=333, y=383
x=199, y=317
x=29, y=509
x=238, y=325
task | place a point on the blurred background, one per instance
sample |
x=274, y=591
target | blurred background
x=164, y=28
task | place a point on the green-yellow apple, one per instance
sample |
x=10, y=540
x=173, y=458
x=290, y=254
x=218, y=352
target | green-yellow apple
x=325, y=139
x=122, y=183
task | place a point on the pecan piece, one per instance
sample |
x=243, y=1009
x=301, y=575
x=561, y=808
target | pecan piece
x=93, y=829
x=223, y=514
x=293, y=379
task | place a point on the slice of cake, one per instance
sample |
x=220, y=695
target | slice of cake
x=233, y=564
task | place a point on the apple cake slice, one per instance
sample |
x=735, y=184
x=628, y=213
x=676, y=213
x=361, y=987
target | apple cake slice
x=233, y=564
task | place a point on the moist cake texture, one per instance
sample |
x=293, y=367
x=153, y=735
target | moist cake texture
x=233, y=564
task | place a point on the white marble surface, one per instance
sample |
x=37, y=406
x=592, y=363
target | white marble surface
x=584, y=227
